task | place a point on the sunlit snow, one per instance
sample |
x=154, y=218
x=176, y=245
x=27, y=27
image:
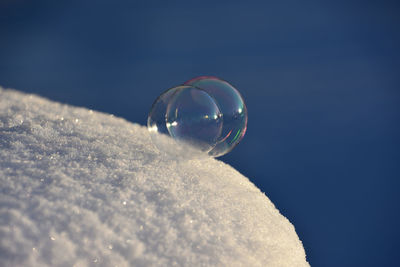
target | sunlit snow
x=83, y=188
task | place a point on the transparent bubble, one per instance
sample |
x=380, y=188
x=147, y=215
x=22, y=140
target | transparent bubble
x=194, y=117
x=205, y=116
x=231, y=105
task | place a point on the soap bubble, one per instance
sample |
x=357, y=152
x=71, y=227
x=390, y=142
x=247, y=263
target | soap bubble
x=194, y=117
x=205, y=116
x=232, y=107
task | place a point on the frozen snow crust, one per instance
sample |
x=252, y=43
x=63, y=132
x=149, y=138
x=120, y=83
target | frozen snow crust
x=83, y=188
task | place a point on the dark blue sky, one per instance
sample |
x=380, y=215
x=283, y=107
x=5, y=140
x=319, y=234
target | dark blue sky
x=321, y=82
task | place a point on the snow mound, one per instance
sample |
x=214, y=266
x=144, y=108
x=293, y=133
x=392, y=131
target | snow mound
x=83, y=188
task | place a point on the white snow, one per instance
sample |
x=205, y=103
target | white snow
x=83, y=188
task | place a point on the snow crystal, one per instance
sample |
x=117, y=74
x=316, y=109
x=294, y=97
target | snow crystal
x=84, y=188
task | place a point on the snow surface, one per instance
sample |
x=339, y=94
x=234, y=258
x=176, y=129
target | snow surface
x=83, y=188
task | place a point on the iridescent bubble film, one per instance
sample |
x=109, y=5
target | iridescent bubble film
x=207, y=115
x=231, y=105
x=194, y=117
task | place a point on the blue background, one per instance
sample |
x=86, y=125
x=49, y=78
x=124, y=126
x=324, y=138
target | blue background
x=320, y=79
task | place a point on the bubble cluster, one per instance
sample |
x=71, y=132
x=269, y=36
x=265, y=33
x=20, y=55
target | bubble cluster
x=204, y=116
